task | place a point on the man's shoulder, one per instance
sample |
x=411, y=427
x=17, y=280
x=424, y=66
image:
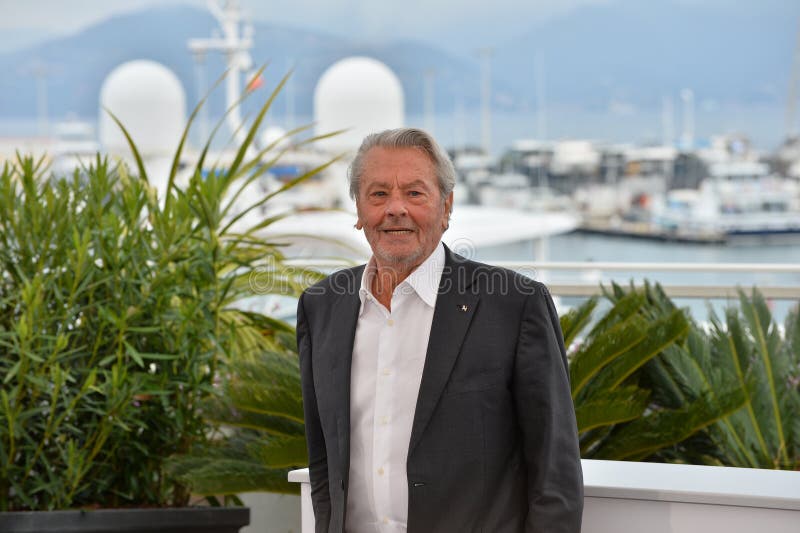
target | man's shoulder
x=342, y=282
x=492, y=279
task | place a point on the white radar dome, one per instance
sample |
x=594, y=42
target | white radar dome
x=359, y=94
x=149, y=100
x=274, y=134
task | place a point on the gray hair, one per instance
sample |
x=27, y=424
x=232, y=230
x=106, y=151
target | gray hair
x=404, y=138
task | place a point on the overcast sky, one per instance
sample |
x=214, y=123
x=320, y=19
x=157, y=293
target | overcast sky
x=446, y=23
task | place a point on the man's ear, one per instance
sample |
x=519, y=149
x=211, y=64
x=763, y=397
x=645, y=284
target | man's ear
x=448, y=208
x=359, y=223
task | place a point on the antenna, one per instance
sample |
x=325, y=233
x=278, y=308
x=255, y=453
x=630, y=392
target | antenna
x=429, y=101
x=486, y=99
x=541, y=96
x=40, y=71
x=687, y=137
x=236, y=49
x=201, y=88
x=667, y=121
x=459, y=143
x=791, y=104
x=289, y=92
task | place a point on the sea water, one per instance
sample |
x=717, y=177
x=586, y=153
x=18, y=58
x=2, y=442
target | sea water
x=580, y=247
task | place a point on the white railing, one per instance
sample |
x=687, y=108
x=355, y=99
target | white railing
x=674, y=290
x=595, y=270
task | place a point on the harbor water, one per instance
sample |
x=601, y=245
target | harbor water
x=579, y=247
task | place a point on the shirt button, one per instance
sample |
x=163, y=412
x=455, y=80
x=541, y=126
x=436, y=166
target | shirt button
x=380, y=471
x=384, y=420
x=390, y=322
x=386, y=372
x=385, y=520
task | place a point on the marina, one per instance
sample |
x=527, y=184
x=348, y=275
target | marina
x=718, y=200
x=684, y=187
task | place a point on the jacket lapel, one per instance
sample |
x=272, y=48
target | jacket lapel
x=455, y=307
x=340, y=350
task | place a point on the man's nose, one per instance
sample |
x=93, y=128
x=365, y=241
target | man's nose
x=396, y=206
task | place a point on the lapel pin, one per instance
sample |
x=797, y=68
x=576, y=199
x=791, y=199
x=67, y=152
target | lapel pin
x=463, y=308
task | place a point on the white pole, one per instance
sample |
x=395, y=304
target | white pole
x=429, y=103
x=40, y=73
x=459, y=140
x=290, y=98
x=541, y=97
x=541, y=115
x=201, y=90
x=486, y=99
x=791, y=103
x=667, y=121
x=687, y=138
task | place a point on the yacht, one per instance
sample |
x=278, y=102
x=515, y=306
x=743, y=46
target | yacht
x=738, y=198
x=323, y=216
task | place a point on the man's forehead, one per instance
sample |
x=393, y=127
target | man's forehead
x=390, y=153
x=411, y=160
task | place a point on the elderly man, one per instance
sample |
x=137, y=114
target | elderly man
x=435, y=388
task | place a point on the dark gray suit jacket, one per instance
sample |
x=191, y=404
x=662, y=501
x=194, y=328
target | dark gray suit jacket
x=494, y=444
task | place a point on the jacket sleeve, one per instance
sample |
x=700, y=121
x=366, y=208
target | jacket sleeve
x=315, y=440
x=546, y=416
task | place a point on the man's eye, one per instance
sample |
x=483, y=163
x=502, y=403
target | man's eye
x=379, y=193
x=414, y=193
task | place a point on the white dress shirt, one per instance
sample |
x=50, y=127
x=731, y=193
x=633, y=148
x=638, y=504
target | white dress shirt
x=388, y=358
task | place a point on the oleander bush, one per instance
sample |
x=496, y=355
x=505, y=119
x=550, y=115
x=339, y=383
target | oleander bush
x=119, y=316
x=262, y=411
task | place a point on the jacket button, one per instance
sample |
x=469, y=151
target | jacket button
x=341, y=482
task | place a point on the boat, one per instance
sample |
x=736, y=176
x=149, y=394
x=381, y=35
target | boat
x=323, y=216
x=75, y=145
x=739, y=198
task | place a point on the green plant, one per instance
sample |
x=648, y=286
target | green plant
x=118, y=314
x=615, y=414
x=265, y=438
x=749, y=352
x=647, y=384
x=619, y=416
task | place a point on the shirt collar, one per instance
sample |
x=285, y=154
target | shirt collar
x=424, y=280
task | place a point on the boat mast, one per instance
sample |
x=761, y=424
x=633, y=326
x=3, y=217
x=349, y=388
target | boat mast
x=429, y=101
x=236, y=48
x=486, y=99
x=687, y=137
x=791, y=104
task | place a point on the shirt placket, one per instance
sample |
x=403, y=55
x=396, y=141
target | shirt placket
x=388, y=348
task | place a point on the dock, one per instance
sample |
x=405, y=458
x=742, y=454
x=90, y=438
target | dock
x=647, y=231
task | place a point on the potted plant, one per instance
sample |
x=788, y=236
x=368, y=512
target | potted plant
x=117, y=316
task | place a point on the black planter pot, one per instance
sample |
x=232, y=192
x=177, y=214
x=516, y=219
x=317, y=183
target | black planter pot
x=179, y=520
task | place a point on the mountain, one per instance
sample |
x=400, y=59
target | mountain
x=631, y=53
x=637, y=52
x=77, y=65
